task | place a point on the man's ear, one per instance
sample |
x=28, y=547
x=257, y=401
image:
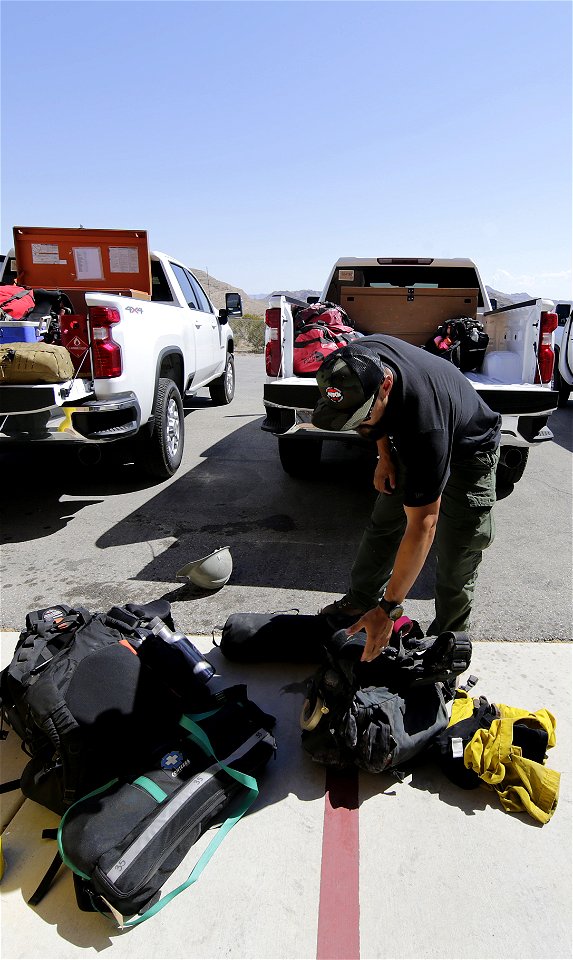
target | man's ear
x=386, y=386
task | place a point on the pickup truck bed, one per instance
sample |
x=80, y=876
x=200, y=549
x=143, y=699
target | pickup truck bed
x=409, y=299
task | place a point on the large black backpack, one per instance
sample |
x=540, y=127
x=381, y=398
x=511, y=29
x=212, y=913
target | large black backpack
x=379, y=715
x=81, y=701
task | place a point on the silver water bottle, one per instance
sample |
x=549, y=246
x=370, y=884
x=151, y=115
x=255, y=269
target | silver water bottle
x=200, y=667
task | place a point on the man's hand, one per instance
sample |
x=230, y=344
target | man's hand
x=385, y=475
x=378, y=628
x=385, y=472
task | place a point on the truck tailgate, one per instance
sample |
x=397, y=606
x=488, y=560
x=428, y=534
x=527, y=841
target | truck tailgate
x=33, y=398
x=517, y=398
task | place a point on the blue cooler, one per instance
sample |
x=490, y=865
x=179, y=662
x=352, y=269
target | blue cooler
x=18, y=331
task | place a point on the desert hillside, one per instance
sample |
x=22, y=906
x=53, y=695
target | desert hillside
x=216, y=290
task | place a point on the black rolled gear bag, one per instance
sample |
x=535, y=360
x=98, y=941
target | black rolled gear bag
x=124, y=840
x=274, y=637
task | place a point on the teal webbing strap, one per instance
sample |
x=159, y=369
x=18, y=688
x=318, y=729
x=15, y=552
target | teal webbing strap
x=150, y=787
x=200, y=737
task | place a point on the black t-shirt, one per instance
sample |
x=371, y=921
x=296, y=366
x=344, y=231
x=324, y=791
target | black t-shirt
x=434, y=416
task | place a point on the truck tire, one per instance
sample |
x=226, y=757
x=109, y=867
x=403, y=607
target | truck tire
x=300, y=458
x=222, y=390
x=512, y=463
x=559, y=384
x=162, y=450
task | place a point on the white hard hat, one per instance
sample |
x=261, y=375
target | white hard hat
x=210, y=572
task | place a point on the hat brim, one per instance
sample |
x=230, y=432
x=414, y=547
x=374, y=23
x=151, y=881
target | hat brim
x=326, y=416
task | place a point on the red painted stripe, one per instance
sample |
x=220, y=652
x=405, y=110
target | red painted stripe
x=339, y=904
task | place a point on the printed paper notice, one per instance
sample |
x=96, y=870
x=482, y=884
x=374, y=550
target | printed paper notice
x=123, y=260
x=346, y=274
x=88, y=263
x=46, y=253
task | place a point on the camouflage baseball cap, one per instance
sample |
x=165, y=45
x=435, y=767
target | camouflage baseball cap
x=348, y=383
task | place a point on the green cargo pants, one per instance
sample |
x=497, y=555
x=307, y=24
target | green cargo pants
x=465, y=529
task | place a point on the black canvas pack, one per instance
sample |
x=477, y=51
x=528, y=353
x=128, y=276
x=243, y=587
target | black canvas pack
x=379, y=715
x=124, y=840
x=80, y=700
x=463, y=341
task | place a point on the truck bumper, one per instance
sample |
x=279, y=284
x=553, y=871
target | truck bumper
x=525, y=410
x=82, y=421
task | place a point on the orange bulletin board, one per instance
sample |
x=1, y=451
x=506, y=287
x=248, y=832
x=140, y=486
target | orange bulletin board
x=78, y=259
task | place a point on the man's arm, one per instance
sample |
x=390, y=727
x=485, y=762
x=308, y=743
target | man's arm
x=410, y=558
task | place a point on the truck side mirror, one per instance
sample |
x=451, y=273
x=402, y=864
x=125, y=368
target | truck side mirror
x=493, y=302
x=233, y=305
x=563, y=310
x=313, y=299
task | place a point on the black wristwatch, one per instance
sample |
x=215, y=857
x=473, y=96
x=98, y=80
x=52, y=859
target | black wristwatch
x=392, y=610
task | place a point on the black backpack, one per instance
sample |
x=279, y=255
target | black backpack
x=379, y=715
x=463, y=341
x=80, y=700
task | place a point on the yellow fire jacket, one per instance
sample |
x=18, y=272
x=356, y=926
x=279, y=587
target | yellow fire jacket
x=520, y=783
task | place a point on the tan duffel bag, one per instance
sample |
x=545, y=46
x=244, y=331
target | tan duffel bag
x=34, y=363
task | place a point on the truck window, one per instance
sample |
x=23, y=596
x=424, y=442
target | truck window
x=205, y=305
x=160, y=289
x=186, y=288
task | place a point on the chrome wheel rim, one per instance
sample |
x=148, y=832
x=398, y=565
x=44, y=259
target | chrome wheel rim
x=172, y=428
x=229, y=379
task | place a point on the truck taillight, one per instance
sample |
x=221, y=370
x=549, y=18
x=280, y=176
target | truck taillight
x=106, y=352
x=273, y=341
x=545, y=354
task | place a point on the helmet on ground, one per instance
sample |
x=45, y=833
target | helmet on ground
x=211, y=572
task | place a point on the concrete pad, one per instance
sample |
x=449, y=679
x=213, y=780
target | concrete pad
x=443, y=872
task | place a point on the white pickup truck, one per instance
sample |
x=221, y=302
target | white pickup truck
x=409, y=298
x=135, y=358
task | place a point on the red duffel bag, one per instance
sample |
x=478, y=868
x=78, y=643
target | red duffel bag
x=15, y=302
x=315, y=342
x=326, y=312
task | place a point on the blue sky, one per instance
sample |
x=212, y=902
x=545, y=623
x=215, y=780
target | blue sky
x=263, y=140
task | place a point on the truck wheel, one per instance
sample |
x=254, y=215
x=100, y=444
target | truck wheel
x=163, y=448
x=562, y=388
x=222, y=390
x=512, y=462
x=300, y=458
